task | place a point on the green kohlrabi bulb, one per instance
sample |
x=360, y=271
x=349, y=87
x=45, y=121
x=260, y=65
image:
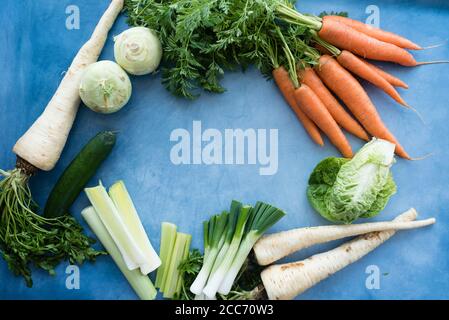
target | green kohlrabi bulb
x=105, y=87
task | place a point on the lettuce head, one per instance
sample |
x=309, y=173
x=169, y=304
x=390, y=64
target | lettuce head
x=343, y=190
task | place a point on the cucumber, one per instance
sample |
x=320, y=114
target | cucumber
x=78, y=173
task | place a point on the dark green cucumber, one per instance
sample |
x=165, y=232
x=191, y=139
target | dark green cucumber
x=78, y=173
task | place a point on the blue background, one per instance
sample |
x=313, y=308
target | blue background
x=36, y=48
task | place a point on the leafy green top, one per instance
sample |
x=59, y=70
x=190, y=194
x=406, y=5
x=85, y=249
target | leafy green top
x=203, y=38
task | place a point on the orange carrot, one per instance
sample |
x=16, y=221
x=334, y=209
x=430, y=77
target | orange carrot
x=349, y=90
x=354, y=64
x=285, y=85
x=377, y=33
x=394, y=81
x=345, y=37
x=344, y=119
x=312, y=106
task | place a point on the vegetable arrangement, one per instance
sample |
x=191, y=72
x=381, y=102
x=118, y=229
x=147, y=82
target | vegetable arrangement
x=26, y=237
x=310, y=59
x=201, y=39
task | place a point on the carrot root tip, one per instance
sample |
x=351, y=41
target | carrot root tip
x=423, y=63
x=435, y=45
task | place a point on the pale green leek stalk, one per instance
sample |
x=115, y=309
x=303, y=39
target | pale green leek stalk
x=109, y=215
x=125, y=206
x=233, y=215
x=182, y=244
x=216, y=238
x=168, y=237
x=217, y=276
x=262, y=217
x=141, y=284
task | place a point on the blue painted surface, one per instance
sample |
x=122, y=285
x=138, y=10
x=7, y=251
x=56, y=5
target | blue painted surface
x=36, y=48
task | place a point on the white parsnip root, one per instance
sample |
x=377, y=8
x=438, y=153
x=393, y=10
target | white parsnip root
x=44, y=141
x=286, y=281
x=276, y=246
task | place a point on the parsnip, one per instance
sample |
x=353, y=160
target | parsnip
x=276, y=246
x=286, y=281
x=44, y=141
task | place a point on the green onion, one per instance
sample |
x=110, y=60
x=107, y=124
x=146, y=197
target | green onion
x=262, y=217
x=168, y=237
x=141, y=284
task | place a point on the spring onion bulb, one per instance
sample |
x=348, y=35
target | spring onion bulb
x=105, y=87
x=138, y=50
x=141, y=284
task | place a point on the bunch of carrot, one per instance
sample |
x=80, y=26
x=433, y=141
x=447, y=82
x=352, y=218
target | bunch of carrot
x=343, y=44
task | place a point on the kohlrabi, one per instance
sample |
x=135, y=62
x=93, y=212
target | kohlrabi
x=138, y=50
x=105, y=87
x=343, y=190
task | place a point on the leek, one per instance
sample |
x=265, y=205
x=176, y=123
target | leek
x=125, y=206
x=224, y=263
x=261, y=218
x=141, y=284
x=112, y=220
x=182, y=244
x=215, y=240
x=168, y=237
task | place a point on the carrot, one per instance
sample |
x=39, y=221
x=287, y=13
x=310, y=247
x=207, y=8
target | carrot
x=285, y=85
x=288, y=280
x=349, y=90
x=343, y=118
x=345, y=37
x=377, y=33
x=312, y=106
x=354, y=64
x=394, y=81
x=276, y=246
x=42, y=144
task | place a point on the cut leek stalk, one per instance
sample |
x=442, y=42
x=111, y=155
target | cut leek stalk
x=182, y=244
x=141, y=284
x=168, y=237
x=125, y=206
x=184, y=257
x=109, y=215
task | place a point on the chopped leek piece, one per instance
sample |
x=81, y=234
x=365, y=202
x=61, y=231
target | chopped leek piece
x=141, y=284
x=125, y=206
x=182, y=241
x=168, y=237
x=109, y=215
